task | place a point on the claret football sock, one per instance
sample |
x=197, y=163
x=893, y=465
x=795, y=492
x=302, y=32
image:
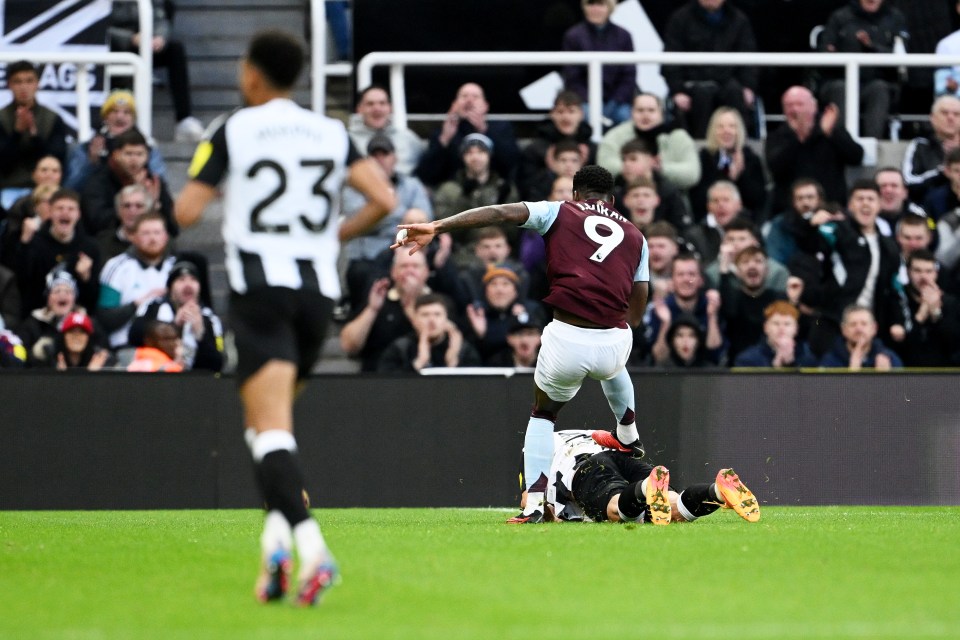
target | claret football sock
x=696, y=501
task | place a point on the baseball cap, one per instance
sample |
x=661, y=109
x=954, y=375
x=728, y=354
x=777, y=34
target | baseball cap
x=476, y=139
x=381, y=143
x=77, y=320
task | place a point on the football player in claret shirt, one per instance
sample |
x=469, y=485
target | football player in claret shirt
x=598, y=273
x=282, y=169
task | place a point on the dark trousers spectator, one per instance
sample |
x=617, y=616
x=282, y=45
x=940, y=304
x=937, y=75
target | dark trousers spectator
x=705, y=97
x=874, y=104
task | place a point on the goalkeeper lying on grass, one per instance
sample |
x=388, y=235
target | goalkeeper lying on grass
x=595, y=484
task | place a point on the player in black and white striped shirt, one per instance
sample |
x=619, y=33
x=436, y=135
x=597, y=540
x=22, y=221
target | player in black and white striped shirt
x=282, y=168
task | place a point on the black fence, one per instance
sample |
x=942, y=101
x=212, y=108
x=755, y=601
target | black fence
x=122, y=441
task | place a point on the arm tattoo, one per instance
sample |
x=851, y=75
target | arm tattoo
x=515, y=213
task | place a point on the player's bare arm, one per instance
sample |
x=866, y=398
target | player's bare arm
x=191, y=202
x=420, y=235
x=366, y=177
x=638, y=303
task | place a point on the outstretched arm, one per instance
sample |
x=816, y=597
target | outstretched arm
x=420, y=235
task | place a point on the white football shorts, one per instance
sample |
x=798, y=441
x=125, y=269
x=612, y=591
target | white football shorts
x=568, y=354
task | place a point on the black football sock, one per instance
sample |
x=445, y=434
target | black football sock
x=632, y=502
x=281, y=483
x=697, y=501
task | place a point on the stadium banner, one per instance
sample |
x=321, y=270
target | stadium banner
x=29, y=26
x=123, y=441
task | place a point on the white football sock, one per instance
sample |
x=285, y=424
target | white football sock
x=311, y=547
x=276, y=533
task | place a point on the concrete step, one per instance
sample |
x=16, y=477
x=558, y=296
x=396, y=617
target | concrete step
x=193, y=24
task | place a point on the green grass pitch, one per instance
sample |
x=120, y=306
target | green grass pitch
x=825, y=572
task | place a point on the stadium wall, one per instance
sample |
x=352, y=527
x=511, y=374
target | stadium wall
x=120, y=441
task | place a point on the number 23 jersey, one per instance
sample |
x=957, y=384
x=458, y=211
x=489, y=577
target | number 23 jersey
x=594, y=255
x=283, y=168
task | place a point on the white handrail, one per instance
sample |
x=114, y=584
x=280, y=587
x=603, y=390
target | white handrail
x=594, y=61
x=319, y=69
x=142, y=85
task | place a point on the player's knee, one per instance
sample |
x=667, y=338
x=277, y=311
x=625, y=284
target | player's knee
x=545, y=414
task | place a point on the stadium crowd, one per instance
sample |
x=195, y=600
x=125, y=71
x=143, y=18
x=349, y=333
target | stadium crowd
x=761, y=255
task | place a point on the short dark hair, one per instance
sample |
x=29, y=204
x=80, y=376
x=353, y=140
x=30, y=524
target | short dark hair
x=19, y=67
x=808, y=182
x=637, y=145
x=921, y=254
x=743, y=223
x=372, y=87
x=952, y=157
x=642, y=182
x=568, y=99
x=147, y=217
x=913, y=220
x=432, y=298
x=565, y=145
x=593, y=180
x=864, y=184
x=278, y=55
x=64, y=194
x=748, y=252
x=661, y=229
x=131, y=136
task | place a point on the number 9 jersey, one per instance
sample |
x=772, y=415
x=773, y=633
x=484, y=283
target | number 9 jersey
x=594, y=255
x=283, y=167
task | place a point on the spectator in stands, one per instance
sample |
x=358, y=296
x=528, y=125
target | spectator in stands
x=597, y=33
x=468, y=115
x=131, y=202
x=725, y=156
x=858, y=346
x=673, y=147
x=565, y=121
x=362, y=252
x=913, y=233
x=739, y=234
x=788, y=232
x=687, y=296
x=523, y=338
x=39, y=330
x=895, y=199
x=336, y=12
x=865, y=26
x=744, y=297
x=58, y=241
x=686, y=348
x=124, y=35
x=810, y=148
x=533, y=251
x=127, y=165
x=475, y=184
x=723, y=206
x=35, y=210
x=869, y=262
x=119, y=114
x=663, y=245
x=434, y=342
x=160, y=353
x=565, y=158
x=12, y=353
x=390, y=305
x=928, y=331
x=927, y=23
x=640, y=201
x=491, y=316
x=201, y=332
x=779, y=348
x=948, y=241
x=28, y=132
x=709, y=26
x=75, y=347
x=10, y=308
x=134, y=277
x=373, y=117
x=945, y=198
x=923, y=161
x=491, y=248
x=639, y=161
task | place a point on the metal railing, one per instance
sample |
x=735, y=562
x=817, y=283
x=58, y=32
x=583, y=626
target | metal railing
x=142, y=85
x=319, y=68
x=397, y=62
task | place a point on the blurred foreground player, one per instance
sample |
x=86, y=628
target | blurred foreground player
x=596, y=484
x=282, y=168
x=598, y=273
